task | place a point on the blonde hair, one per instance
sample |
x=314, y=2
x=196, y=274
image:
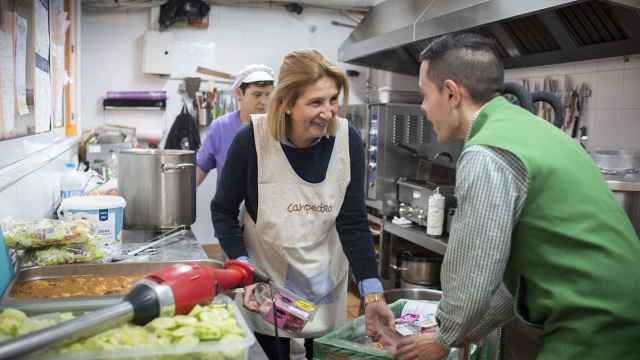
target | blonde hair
x=300, y=69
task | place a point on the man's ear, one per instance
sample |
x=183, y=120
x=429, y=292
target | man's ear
x=238, y=93
x=452, y=91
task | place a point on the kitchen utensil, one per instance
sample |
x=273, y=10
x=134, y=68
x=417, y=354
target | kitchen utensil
x=572, y=109
x=154, y=242
x=173, y=290
x=215, y=73
x=583, y=93
x=520, y=93
x=556, y=113
x=621, y=169
x=419, y=270
x=159, y=187
x=192, y=85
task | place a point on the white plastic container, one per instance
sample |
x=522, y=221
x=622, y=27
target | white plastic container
x=435, y=214
x=72, y=182
x=106, y=211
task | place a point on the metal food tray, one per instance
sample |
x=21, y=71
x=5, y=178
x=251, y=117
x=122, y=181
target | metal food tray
x=86, y=303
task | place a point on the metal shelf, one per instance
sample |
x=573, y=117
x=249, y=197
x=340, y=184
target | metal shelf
x=417, y=236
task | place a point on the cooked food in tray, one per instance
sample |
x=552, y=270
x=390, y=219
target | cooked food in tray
x=77, y=286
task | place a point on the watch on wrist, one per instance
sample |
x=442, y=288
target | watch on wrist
x=371, y=298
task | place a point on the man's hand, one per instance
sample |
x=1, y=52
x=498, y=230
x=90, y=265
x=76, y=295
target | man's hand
x=377, y=315
x=421, y=347
x=249, y=300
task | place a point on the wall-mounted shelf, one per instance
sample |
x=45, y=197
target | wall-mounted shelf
x=133, y=108
x=133, y=104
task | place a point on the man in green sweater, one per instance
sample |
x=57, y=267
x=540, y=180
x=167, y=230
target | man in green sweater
x=537, y=233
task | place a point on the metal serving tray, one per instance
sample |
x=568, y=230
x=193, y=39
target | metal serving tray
x=80, y=304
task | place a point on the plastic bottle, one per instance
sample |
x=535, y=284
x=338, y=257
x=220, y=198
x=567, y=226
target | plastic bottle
x=72, y=182
x=435, y=214
x=70, y=127
x=112, y=164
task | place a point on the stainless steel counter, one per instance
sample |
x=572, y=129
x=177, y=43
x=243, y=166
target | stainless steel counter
x=184, y=246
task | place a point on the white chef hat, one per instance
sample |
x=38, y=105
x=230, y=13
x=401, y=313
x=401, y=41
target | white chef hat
x=254, y=73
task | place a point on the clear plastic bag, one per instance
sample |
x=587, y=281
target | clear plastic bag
x=66, y=254
x=37, y=234
x=292, y=312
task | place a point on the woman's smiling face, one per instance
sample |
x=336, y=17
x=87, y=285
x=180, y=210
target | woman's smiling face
x=312, y=112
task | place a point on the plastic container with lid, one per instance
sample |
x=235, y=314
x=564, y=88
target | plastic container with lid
x=72, y=182
x=107, y=212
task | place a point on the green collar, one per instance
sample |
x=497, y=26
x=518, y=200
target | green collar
x=483, y=115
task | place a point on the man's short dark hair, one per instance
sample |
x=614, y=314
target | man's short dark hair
x=468, y=59
x=243, y=86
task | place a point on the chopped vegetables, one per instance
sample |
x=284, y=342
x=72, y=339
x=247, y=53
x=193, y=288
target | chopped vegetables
x=210, y=323
x=67, y=254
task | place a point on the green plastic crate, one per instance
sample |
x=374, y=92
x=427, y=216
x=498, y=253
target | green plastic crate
x=342, y=344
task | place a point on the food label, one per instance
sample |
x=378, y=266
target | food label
x=306, y=306
x=105, y=227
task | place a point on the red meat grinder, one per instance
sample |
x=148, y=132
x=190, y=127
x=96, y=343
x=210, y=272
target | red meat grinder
x=173, y=290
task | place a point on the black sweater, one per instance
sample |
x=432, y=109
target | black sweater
x=238, y=181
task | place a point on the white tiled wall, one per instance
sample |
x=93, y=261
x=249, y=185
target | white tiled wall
x=35, y=195
x=612, y=113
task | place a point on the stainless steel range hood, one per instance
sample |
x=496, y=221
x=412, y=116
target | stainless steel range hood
x=527, y=32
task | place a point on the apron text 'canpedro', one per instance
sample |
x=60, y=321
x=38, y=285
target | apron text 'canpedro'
x=294, y=239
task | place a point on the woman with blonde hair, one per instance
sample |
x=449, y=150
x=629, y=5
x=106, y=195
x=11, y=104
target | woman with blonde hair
x=300, y=171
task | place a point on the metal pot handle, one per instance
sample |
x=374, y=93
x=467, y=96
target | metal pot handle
x=398, y=268
x=167, y=168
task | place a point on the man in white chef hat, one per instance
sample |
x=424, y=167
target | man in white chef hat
x=252, y=87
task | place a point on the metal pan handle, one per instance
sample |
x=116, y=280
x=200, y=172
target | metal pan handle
x=168, y=168
x=397, y=268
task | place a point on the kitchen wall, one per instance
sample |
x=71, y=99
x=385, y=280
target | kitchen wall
x=612, y=113
x=30, y=187
x=112, y=43
x=113, y=51
x=31, y=166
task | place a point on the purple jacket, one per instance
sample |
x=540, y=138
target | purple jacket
x=220, y=134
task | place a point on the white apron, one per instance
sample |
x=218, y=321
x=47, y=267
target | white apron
x=294, y=239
